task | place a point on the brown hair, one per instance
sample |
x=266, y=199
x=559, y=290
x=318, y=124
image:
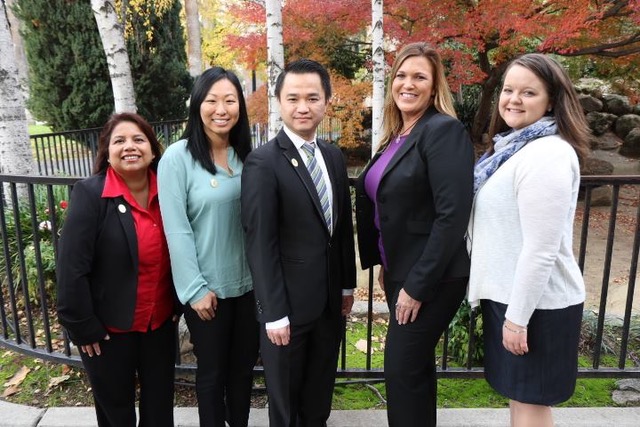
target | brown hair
x=442, y=101
x=102, y=156
x=566, y=108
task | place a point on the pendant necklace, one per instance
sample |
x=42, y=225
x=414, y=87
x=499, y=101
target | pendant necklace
x=404, y=132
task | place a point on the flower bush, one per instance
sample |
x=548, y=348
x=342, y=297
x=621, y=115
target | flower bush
x=31, y=241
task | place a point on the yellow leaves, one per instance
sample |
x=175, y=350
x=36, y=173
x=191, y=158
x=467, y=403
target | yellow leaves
x=141, y=10
x=348, y=105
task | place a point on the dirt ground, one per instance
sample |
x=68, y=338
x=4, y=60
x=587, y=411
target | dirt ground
x=625, y=231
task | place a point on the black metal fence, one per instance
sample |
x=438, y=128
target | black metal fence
x=33, y=210
x=72, y=153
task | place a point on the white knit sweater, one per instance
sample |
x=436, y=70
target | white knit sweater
x=521, y=232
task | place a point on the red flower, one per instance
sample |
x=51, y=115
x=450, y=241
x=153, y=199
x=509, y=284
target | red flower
x=63, y=204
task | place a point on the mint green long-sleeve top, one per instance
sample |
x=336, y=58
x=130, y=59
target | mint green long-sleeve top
x=201, y=217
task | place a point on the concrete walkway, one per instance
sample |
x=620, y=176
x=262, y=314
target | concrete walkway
x=12, y=415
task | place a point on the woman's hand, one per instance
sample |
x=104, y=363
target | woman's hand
x=407, y=308
x=206, y=307
x=91, y=349
x=514, y=338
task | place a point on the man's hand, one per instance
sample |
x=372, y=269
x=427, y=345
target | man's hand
x=206, y=307
x=347, y=304
x=279, y=336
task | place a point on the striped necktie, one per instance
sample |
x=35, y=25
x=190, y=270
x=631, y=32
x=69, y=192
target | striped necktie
x=318, y=181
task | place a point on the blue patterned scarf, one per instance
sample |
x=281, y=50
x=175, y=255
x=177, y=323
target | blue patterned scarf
x=507, y=144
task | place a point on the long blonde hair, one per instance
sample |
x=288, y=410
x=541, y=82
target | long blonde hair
x=443, y=101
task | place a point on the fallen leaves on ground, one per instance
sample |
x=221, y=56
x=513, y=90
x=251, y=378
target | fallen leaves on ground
x=56, y=381
x=13, y=385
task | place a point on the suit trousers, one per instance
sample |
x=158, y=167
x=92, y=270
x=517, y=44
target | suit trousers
x=113, y=377
x=300, y=376
x=409, y=359
x=227, y=350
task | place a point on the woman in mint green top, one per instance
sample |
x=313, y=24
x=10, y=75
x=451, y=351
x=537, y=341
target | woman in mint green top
x=199, y=192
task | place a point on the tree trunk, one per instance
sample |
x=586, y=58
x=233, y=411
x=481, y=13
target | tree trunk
x=275, y=61
x=18, y=49
x=483, y=114
x=115, y=49
x=15, y=150
x=194, y=42
x=377, y=38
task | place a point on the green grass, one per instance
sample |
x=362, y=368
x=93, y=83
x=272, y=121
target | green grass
x=54, y=149
x=357, y=332
x=470, y=393
x=46, y=384
x=348, y=394
x=452, y=393
x=39, y=129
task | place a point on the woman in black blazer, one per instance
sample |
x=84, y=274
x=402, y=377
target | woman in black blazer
x=412, y=207
x=115, y=295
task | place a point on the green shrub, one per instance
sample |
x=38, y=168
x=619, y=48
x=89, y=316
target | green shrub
x=38, y=240
x=458, y=347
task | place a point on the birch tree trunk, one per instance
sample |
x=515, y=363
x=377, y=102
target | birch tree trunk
x=275, y=61
x=18, y=48
x=194, y=39
x=377, y=39
x=115, y=49
x=15, y=149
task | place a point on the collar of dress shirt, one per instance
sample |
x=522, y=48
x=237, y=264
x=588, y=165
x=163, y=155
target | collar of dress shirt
x=295, y=138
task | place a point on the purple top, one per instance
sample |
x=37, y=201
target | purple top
x=372, y=182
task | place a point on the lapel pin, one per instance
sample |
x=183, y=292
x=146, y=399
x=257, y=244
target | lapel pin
x=122, y=208
x=294, y=162
x=214, y=182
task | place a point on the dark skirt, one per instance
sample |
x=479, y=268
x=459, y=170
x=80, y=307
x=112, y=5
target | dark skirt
x=547, y=374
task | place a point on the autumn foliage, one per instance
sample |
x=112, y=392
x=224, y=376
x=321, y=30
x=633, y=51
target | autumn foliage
x=346, y=105
x=477, y=38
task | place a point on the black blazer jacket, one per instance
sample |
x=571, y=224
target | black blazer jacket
x=298, y=267
x=97, y=267
x=424, y=202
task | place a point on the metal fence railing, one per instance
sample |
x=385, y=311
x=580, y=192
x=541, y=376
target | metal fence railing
x=33, y=211
x=72, y=153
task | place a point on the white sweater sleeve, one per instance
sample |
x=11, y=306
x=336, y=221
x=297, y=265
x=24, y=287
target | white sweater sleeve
x=543, y=186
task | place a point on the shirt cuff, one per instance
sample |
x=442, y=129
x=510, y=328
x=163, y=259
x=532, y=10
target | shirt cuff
x=347, y=292
x=278, y=323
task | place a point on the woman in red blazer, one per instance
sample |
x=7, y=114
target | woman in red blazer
x=115, y=296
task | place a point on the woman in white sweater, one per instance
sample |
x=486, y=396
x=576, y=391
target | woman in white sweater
x=523, y=271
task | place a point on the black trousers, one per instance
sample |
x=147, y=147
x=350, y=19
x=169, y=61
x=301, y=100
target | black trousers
x=227, y=350
x=150, y=355
x=300, y=376
x=409, y=358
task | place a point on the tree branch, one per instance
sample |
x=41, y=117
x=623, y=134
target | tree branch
x=607, y=49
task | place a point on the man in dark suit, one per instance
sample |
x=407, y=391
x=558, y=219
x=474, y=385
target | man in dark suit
x=296, y=213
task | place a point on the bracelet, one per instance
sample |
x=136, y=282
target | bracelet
x=515, y=331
